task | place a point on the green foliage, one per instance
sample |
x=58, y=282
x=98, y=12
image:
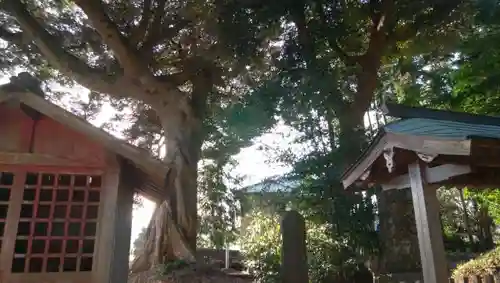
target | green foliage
x=138, y=243
x=491, y=199
x=216, y=205
x=488, y=263
x=261, y=243
x=169, y=267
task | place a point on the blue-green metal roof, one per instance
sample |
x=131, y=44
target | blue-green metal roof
x=273, y=184
x=436, y=124
x=442, y=128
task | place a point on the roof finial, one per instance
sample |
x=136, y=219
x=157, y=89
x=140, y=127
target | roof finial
x=26, y=81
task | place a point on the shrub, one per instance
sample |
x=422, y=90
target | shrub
x=485, y=264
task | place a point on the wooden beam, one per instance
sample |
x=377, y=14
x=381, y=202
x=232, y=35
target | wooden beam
x=426, y=206
x=8, y=96
x=15, y=158
x=481, y=178
x=433, y=175
x=154, y=167
x=418, y=144
x=12, y=222
x=430, y=145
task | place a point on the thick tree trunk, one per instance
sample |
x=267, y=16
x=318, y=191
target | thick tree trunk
x=172, y=230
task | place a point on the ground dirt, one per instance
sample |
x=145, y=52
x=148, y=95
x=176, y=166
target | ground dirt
x=191, y=274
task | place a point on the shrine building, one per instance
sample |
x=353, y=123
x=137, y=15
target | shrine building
x=66, y=194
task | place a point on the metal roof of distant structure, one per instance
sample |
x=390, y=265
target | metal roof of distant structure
x=423, y=130
x=272, y=184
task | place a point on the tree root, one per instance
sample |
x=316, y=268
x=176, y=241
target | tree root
x=166, y=257
x=191, y=273
x=163, y=243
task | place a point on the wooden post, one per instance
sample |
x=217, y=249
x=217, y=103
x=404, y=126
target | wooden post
x=294, y=254
x=430, y=238
x=115, y=225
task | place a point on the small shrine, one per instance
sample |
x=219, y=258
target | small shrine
x=66, y=193
x=423, y=150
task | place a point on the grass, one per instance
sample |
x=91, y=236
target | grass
x=485, y=264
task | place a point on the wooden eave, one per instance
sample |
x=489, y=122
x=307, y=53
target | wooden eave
x=481, y=155
x=420, y=144
x=472, y=140
x=153, y=169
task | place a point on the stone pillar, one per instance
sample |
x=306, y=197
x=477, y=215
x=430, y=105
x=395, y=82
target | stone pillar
x=399, y=250
x=294, y=267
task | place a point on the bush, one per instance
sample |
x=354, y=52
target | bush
x=487, y=263
x=261, y=244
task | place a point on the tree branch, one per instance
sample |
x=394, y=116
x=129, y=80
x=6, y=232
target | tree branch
x=135, y=69
x=305, y=39
x=156, y=27
x=16, y=38
x=332, y=40
x=139, y=34
x=110, y=34
x=158, y=31
x=179, y=78
x=51, y=47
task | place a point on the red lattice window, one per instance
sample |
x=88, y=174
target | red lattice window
x=6, y=182
x=57, y=227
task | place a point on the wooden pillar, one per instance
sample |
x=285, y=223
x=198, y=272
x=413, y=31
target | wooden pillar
x=294, y=253
x=112, y=258
x=430, y=238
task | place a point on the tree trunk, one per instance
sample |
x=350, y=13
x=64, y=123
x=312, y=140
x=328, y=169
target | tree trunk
x=172, y=230
x=485, y=222
x=465, y=216
x=399, y=250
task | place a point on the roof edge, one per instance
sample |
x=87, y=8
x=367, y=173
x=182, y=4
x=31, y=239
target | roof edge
x=421, y=144
x=411, y=112
x=154, y=168
x=365, y=159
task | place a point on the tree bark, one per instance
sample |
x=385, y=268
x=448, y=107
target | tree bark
x=171, y=233
x=465, y=216
x=183, y=146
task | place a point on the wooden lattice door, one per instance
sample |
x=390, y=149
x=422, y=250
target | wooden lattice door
x=55, y=222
